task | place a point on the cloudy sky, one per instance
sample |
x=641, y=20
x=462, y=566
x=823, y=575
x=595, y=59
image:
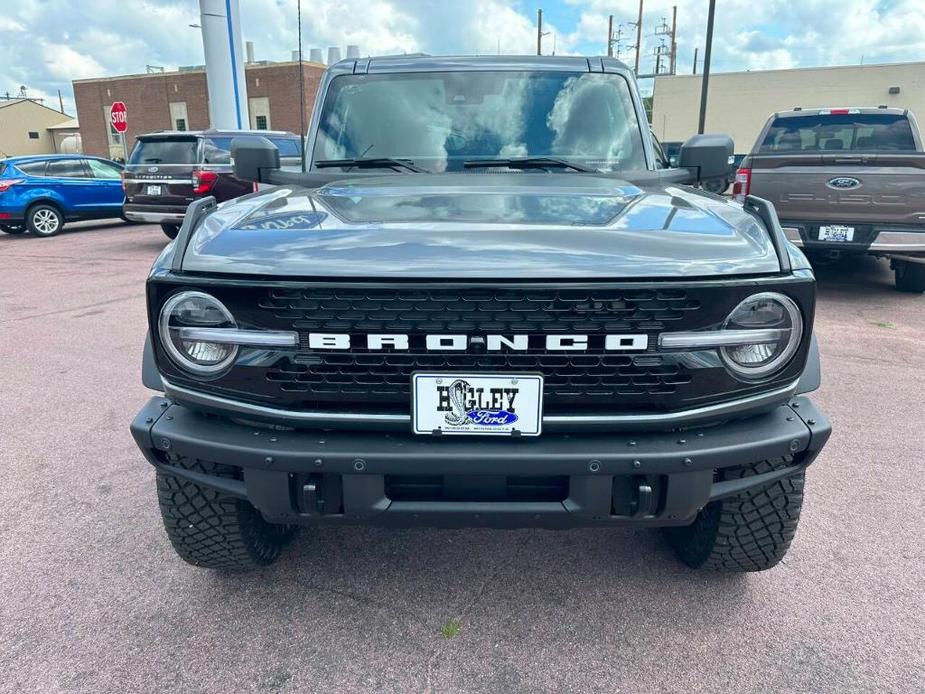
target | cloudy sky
x=44, y=44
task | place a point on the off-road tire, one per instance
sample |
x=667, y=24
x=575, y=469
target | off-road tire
x=212, y=530
x=910, y=277
x=44, y=220
x=748, y=532
x=170, y=230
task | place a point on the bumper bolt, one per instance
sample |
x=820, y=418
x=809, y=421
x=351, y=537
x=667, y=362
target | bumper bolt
x=637, y=463
x=359, y=465
x=148, y=420
x=811, y=422
x=168, y=417
x=165, y=444
x=794, y=446
x=630, y=443
x=790, y=419
x=268, y=460
x=318, y=462
x=688, y=462
x=594, y=465
x=681, y=442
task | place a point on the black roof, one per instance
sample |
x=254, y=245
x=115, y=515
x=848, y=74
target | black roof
x=215, y=131
x=424, y=62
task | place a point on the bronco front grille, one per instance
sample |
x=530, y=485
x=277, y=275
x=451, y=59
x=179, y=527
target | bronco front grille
x=483, y=310
x=361, y=375
x=592, y=381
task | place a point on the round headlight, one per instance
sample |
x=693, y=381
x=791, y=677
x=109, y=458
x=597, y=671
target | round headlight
x=196, y=310
x=778, y=327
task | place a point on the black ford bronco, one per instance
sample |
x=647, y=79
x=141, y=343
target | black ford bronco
x=483, y=304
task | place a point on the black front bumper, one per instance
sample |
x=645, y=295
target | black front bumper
x=557, y=480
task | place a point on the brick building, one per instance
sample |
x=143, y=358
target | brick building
x=180, y=101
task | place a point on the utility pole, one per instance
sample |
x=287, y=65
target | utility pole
x=610, y=36
x=674, y=40
x=60, y=102
x=539, y=32
x=639, y=37
x=706, y=67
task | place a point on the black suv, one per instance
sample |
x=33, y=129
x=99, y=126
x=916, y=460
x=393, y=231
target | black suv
x=483, y=304
x=168, y=170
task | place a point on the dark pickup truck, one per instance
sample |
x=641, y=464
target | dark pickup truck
x=845, y=180
x=483, y=305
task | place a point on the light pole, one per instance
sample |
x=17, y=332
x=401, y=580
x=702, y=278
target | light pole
x=704, y=86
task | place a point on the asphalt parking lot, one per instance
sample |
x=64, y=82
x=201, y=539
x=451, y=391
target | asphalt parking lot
x=93, y=599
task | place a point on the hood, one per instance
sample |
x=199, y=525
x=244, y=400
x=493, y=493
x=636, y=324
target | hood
x=482, y=226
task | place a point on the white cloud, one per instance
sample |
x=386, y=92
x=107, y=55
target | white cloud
x=45, y=44
x=65, y=63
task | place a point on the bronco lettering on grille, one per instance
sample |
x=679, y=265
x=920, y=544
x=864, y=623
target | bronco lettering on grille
x=490, y=343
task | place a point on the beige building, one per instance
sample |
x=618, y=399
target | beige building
x=740, y=102
x=66, y=136
x=24, y=128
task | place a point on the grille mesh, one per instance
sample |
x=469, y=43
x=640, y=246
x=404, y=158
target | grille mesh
x=541, y=311
x=361, y=375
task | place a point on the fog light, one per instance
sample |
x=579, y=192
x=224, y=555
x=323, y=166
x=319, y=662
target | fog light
x=196, y=310
x=777, y=319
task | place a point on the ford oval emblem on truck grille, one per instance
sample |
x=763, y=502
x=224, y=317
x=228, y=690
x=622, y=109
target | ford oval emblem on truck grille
x=843, y=183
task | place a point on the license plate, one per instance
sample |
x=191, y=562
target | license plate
x=836, y=232
x=477, y=404
x=153, y=190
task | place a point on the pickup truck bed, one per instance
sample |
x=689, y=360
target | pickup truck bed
x=836, y=193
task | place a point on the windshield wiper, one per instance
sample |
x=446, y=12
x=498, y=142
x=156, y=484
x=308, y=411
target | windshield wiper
x=371, y=163
x=528, y=163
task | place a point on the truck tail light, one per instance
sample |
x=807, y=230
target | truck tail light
x=203, y=181
x=742, y=184
x=7, y=183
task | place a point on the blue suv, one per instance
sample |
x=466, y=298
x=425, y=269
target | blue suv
x=39, y=193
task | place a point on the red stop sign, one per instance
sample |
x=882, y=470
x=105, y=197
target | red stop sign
x=118, y=116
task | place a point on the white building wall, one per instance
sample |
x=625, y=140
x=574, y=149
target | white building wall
x=740, y=102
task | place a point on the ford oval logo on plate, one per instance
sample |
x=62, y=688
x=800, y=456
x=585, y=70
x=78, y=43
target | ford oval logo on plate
x=843, y=183
x=492, y=418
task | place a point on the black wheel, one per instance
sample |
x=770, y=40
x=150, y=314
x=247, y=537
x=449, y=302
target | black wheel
x=7, y=229
x=910, y=277
x=44, y=220
x=171, y=230
x=213, y=530
x=717, y=186
x=748, y=532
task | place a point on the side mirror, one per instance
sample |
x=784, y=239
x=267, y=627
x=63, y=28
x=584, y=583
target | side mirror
x=708, y=156
x=253, y=157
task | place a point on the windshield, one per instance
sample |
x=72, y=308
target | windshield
x=440, y=120
x=839, y=132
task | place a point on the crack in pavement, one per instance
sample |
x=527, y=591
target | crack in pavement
x=133, y=297
x=478, y=594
